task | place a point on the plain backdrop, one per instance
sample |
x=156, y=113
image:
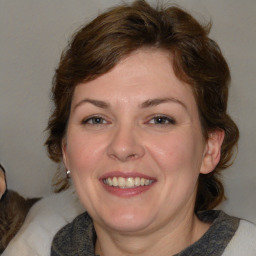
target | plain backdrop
x=33, y=34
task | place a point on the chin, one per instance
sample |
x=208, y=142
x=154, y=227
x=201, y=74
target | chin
x=127, y=221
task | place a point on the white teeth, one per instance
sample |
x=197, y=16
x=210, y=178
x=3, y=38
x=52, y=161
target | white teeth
x=137, y=181
x=121, y=182
x=130, y=182
x=114, y=182
x=109, y=182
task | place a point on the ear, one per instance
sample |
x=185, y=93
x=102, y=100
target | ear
x=64, y=153
x=212, y=151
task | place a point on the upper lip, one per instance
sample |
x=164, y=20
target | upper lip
x=126, y=175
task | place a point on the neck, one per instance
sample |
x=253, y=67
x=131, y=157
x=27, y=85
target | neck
x=169, y=239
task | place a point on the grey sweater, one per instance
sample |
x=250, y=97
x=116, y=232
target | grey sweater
x=78, y=238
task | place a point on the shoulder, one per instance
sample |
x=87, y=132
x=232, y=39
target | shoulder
x=243, y=242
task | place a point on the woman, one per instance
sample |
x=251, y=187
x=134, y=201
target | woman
x=140, y=122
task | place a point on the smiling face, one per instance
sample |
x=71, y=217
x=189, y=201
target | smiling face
x=134, y=145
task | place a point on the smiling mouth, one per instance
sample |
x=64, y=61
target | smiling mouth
x=130, y=182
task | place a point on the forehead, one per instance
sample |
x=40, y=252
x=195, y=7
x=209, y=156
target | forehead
x=144, y=73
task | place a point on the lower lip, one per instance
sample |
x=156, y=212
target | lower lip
x=127, y=192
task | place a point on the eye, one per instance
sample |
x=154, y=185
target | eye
x=94, y=120
x=162, y=120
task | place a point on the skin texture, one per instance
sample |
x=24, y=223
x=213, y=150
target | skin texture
x=130, y=138
x=2, y=183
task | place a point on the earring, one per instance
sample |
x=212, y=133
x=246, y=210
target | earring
x=68, y=172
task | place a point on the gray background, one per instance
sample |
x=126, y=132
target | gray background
x=32, y=36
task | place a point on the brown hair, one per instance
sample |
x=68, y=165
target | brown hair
x=97, y=47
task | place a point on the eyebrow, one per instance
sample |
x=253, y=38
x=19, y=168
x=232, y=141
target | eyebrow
x=156, y=102
x=145, y=104
x=97, y=103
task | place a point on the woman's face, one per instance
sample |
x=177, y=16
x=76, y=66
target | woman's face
x=134, y=145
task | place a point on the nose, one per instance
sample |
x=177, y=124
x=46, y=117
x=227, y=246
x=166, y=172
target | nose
x=125, y=145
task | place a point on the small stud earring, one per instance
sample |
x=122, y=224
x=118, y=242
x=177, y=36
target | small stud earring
x=68, y=172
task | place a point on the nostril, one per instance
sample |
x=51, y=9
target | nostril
x=132, y=156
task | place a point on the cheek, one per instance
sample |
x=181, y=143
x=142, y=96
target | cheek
x=178, y=154
x=83, y=152
x=179, y=160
